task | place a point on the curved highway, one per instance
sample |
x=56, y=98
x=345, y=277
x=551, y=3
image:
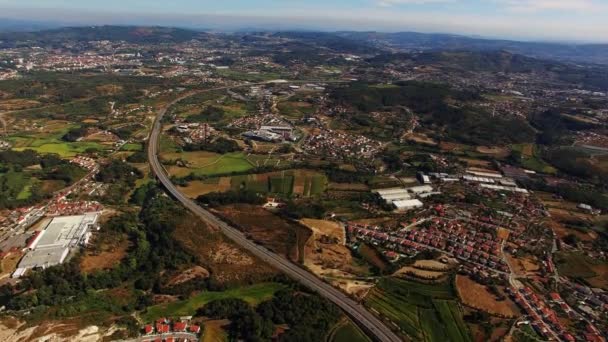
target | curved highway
x=370, y=323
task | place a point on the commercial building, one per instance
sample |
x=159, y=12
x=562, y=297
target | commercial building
x=52, y=246
x=407, y=204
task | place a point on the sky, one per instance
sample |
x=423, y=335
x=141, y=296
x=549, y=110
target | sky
x=553, y=20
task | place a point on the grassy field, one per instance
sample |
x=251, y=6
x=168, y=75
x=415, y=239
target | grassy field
x=531, y=159
x=52, y=145
x=348, y=332
x=132, y=147
x=424, y=312
x=577, y=265
x=253, y=295
x=203, y=163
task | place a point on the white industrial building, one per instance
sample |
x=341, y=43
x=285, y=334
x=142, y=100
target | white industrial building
x=52, y=246
x=407, y=204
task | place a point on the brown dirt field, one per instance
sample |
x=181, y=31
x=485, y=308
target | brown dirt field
x=476, y=295
x=109, y=89
x=348, y=187
x=263, y=227
x=49, y=186
x=561, y=231
x=189, y=274
x=527, y=150
x=197, y=188
x=90, y=121
x=109, y=257
x=226, y=262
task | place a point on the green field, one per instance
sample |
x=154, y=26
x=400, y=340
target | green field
x=288, y=182
x=52, y=145
x=423, y=312
x=253, y=295
x=531, y=160
x=349, y=333
x=132, y=147
x=576, y=265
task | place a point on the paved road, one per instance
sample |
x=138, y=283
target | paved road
x=357, y=312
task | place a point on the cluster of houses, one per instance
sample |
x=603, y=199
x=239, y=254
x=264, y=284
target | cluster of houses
x=164, y=328
x=84, y=162
x=338, y=145
x=483, y=249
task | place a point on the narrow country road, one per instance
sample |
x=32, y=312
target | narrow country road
x=366, y=320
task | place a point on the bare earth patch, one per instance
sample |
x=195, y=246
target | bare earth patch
x=189, y=274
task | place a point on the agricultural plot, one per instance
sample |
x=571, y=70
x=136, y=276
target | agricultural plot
x=423, y=312
x=253, y=295
x=348, y=332
x=201, y=163
x=53, y=145
x=578, y=265
x=530, y=158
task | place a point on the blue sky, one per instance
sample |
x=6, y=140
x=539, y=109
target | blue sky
x=567, y=20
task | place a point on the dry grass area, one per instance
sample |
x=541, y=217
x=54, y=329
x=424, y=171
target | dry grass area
x=263, y=227
x=18, y=104
x=102, y=137
x=9, y=263
x=450, y=146
x=189, y=274
x=494, y=150
x=419, y=273
x=476, y=295
x=198, y=188
x=67, y=330
x=523, y=266
x=476, y=162
x=503, y=233
x=326, y=256
x=108, y=256
x=225, y=261
x=431, y=265
x=214, y=331
x=331, y=229
x=421, y=139
x=601, y=280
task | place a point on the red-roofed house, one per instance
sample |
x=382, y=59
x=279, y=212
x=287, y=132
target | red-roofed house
x=195, y=329
x=148, y=329
x=179, y=326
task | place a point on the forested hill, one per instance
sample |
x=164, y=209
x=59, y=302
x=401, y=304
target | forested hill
x=414, y=41
x=132, y=34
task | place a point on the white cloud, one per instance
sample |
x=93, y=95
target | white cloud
x=389, y=3
x=551, y=5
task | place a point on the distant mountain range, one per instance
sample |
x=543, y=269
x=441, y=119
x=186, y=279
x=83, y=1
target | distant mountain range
x=347, y=42
x=413, y=41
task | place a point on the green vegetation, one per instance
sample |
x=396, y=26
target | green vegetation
x=424, y=312
x=54, y=146
x=529, y=157
x=430, y=101
x=575, y=265
x=253, y=295
x=349, y=333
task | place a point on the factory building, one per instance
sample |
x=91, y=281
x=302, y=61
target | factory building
x=53, y=245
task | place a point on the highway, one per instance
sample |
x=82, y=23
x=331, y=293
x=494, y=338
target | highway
x=366, y=320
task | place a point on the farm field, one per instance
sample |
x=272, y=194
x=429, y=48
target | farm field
x=577, y=265
x=348, y=332
x=201, y=163
x=476, y=295
x=423, y=312
x=51, y=145
x=530, y=159
x=253, y=295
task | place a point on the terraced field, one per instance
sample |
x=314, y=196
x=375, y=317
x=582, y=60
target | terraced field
x=424, y=312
